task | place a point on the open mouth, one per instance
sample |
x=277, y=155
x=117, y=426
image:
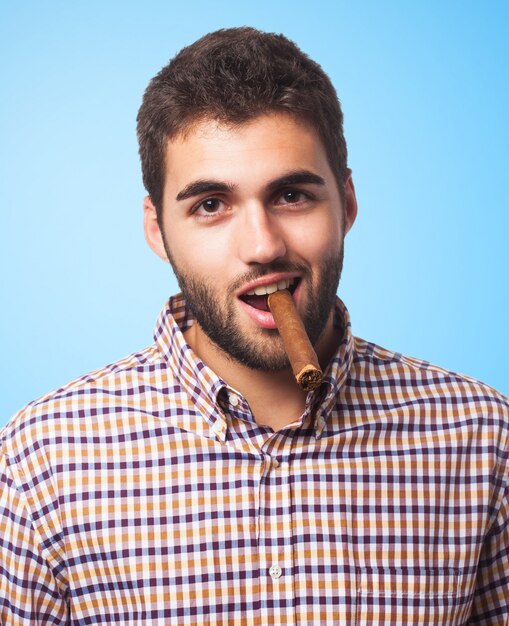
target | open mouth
x=257, y=297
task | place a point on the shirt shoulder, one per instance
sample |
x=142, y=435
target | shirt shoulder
x=407, y=368
x=392, y=392
x=398, y=380
x=84, y=395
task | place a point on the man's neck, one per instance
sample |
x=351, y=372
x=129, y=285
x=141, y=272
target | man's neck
x=274, y=397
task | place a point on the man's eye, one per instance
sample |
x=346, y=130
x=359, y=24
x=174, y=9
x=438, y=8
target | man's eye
x=292, y=197
x=209, y=206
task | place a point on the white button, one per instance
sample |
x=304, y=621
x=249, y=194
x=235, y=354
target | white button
x=275, y=572
x=216, y=427
x=234, y=400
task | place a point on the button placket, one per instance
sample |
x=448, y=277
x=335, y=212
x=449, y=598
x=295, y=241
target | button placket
x=276, y=548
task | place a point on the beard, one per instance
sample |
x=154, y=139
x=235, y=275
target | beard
x=263, y=349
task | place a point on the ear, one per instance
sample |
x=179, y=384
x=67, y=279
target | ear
x=152, y=231
x=350, y=202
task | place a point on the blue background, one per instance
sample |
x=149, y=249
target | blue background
x=424, y=88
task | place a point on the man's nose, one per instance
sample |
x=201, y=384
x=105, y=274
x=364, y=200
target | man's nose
x=260, y=238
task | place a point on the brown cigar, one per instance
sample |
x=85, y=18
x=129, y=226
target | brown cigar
x=298, y=348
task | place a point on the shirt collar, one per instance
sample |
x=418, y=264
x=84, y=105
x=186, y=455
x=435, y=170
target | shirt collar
x=199, y=382
x=207, y=391
x=336, y=374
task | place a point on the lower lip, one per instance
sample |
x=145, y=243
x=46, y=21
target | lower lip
x=263, y=319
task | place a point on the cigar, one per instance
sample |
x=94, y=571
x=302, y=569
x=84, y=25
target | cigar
x=298, y=348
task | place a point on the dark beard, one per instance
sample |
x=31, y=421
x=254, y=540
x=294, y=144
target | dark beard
x=265, y=351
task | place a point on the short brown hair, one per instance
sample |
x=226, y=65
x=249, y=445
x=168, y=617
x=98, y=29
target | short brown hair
x=232, y=76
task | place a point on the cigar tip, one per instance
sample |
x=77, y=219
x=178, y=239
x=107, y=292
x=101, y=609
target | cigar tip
x=281, y=294
x=309, y=378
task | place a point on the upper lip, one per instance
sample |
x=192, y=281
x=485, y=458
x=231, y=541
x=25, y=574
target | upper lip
x=269, y=279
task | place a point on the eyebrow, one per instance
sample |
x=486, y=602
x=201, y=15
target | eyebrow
x=197, y=187
x=297, y=177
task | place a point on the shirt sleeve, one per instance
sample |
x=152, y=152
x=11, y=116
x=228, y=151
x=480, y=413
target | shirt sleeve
x=29, y=592
x=491, y=599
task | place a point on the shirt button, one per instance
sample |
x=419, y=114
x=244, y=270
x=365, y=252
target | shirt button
x=234, y=400
x=275, y=572
x=276, y=464
x=218, y=429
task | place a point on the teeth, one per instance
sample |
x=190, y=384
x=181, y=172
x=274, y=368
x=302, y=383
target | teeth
x=261, y=291
x=266, y=289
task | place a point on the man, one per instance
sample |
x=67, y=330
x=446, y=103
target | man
x=195, y=482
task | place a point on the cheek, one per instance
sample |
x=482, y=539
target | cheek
x=318, y=240
x=198, y=254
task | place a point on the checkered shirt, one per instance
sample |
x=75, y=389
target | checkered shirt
x=145, y=493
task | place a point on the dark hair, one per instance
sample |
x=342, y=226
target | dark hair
x=232, y=76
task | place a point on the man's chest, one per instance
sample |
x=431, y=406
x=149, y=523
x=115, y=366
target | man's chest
x=350, y=530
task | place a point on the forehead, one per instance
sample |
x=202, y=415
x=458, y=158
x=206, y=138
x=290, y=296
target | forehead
x=262, y=148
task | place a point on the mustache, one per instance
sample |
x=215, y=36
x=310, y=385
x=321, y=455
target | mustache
x=270, y=268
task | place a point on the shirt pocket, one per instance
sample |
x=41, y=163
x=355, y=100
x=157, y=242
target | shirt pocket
x=402, y=596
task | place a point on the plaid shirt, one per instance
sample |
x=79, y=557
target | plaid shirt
x=145, y=493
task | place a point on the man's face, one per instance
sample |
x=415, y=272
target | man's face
x=247, y=210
